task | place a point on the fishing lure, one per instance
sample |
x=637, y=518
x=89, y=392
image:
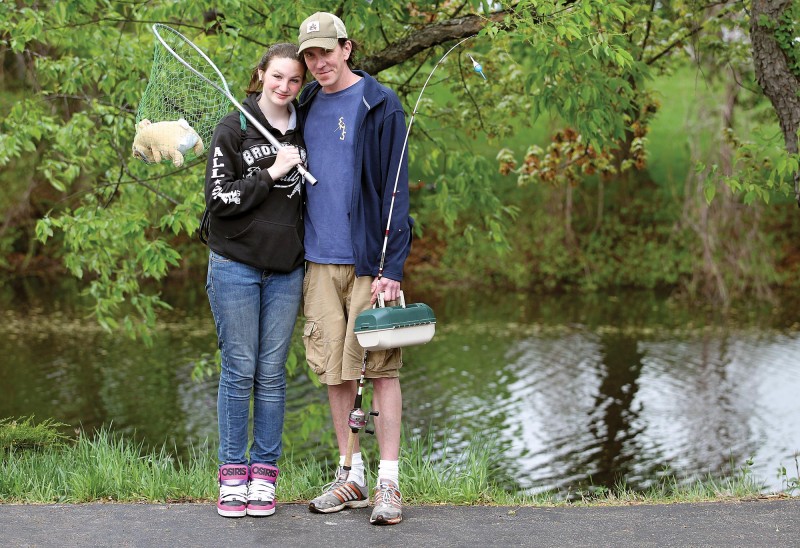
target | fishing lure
x=477, y=67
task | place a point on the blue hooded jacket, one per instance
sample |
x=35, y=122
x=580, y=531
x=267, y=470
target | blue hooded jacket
x=379, y=152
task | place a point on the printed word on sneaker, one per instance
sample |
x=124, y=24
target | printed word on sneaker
x=339, y=495
x=261, y=491
x=232, y=501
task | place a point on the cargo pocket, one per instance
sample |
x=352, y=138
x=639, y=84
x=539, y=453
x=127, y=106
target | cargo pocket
x=384, y=361
x=315, y=348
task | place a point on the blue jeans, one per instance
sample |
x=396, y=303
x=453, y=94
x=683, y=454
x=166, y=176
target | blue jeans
x=254, y=312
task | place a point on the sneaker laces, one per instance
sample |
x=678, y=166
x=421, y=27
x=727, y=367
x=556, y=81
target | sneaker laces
x=332, y=485
x=388, y=494
x=339, y=481
x=261, y=490
x=233, y=493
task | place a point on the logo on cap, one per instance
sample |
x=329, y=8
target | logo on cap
x=313, y=26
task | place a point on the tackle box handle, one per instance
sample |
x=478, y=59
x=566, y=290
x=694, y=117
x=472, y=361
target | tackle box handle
x=382, y=304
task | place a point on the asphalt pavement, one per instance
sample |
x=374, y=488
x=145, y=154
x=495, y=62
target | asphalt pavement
x=774, y=523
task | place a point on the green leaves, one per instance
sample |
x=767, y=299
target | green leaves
x=467, y=203
x=584, y=65
x=20, y=27
x=44, y=229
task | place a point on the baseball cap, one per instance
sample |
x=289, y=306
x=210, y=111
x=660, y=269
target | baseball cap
x=321, y=30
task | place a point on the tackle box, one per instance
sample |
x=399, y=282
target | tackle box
x=395, y=326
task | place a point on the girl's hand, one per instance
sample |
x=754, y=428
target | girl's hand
x=285, y=160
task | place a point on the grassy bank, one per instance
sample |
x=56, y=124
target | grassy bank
x=41, y=466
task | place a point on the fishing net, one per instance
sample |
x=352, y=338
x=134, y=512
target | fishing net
x=174, y=91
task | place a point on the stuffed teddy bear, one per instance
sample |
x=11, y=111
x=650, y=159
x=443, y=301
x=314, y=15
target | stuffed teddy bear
x=165, y=140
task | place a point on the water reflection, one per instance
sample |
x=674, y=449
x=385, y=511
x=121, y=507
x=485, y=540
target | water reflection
x=614, y=418
x=578, y=403
x=574, y=391
x=68, y=369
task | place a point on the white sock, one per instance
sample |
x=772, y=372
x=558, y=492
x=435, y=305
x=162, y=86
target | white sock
x=356, y=468
x=389, y=470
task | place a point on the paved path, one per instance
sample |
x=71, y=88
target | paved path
x=771, y=523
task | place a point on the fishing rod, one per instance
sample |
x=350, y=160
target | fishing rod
x=479, y=69
x=358, y=419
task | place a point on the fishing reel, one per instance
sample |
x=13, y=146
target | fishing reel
x=358, y=419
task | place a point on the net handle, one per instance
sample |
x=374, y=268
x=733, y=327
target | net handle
x=224, y=90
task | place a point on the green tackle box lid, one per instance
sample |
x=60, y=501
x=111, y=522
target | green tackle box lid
x=391, y=317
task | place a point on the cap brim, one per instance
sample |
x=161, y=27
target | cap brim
x=324, y=43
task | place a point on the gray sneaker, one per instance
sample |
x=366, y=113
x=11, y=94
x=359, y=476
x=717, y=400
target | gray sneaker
x=388, y=504
x=340, y=494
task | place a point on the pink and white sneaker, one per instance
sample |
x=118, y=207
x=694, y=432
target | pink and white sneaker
x=261, y=492
x=232, y=501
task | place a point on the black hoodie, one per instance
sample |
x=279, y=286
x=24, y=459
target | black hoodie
x=253, y=219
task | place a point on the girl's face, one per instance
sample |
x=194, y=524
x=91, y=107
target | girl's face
x=282, y=80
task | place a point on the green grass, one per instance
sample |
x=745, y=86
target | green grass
x=23, y=433
x=108, y=468
x=470, y=478
x=683, y=96
x=668, y=160
x=104, y=468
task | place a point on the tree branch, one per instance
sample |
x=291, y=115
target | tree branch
x=427, y=37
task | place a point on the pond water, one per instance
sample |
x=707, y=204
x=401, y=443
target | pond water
x=574, y=390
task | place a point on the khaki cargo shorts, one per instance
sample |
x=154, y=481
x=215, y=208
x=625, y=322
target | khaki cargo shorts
x=332, y=298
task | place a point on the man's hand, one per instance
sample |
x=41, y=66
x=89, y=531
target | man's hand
x=389, y=288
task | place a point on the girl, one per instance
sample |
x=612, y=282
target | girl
x=255, y=275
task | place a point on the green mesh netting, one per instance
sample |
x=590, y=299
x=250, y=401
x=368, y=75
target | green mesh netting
x=175, y=92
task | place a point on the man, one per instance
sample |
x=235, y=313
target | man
x=354, y=129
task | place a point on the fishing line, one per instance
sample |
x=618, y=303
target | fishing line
x=479, y=69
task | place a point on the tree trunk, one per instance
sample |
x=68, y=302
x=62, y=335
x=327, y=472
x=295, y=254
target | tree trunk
x=569, y=234
x=780, y=85
x=733, y=258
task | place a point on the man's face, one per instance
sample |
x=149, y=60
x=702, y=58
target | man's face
x=329, y=66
